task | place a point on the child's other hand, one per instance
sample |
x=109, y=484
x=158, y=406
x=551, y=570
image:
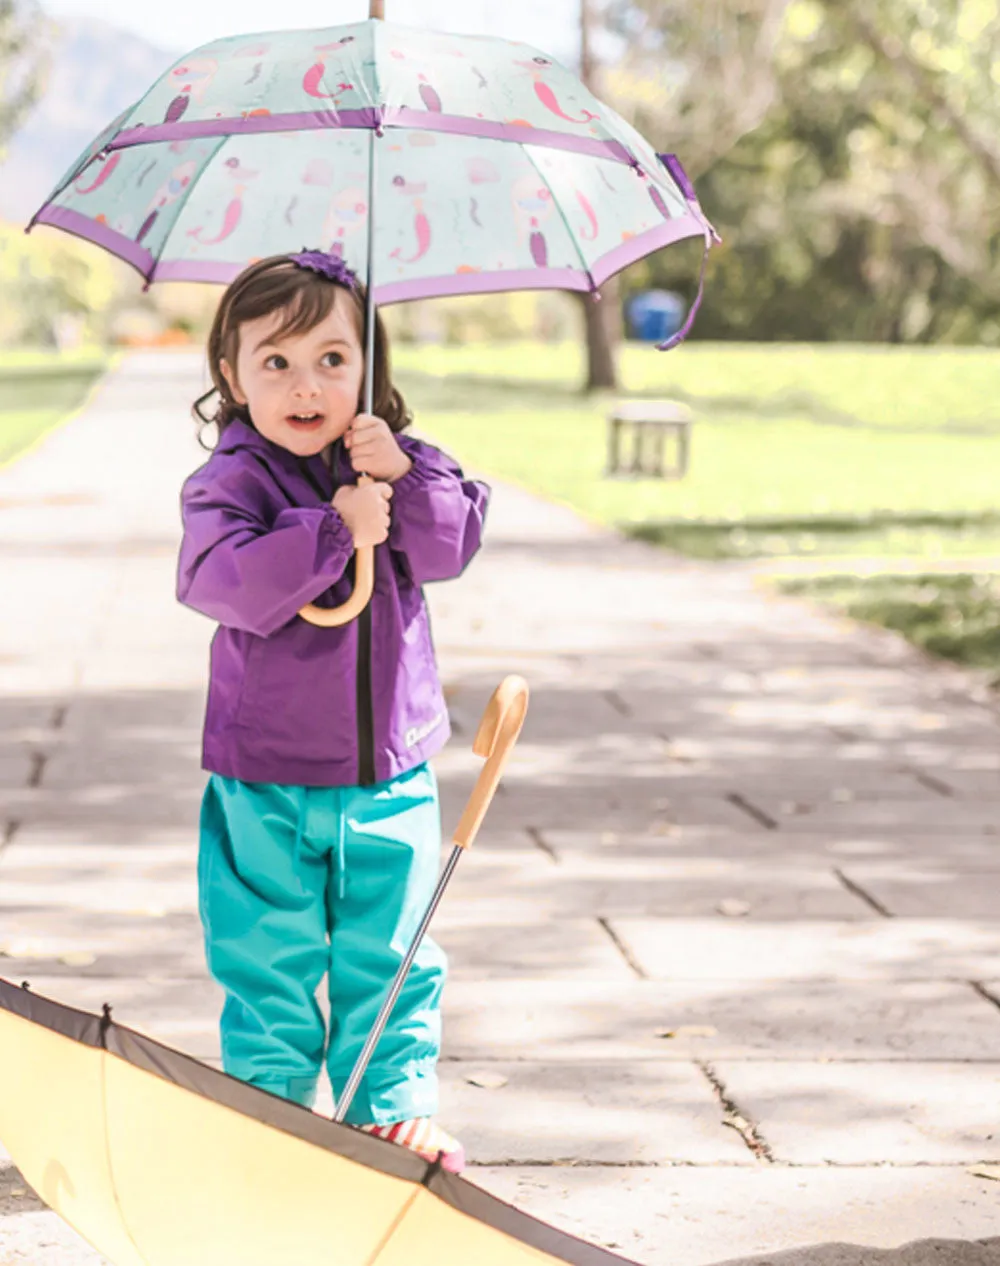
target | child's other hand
x=374, y=450
x=365, y=511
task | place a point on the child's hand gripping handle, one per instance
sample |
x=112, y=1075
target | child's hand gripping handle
x=364, y=583
x=495, y=739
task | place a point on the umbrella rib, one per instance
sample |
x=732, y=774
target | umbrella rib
x=562, y=215
x=396, y=1223
x=182, y=202
x=106, y=1054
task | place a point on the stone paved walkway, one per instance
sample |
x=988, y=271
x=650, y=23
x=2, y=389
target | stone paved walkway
x=731, y=937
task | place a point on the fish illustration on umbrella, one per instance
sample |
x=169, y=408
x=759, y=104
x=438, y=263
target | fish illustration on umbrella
x=234, y=210
x=546, y=94
x=429, y=95
x=192, y=78
x=347, y=213
x=588, y=234
x=168, y=192
x=421, y=224
x=312, y=80
x=106, y=170
x=532, y=204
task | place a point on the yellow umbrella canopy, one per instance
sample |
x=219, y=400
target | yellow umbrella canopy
x=160, y=1160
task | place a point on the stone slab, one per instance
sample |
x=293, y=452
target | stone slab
x=572, y=1020
x=863, y=1113
x=656, y=1112
x=608, y=886
x=147, y=879
x=571, y=948
x=896, y=816
x=785, y=847
x=94, y=809
x=45, y=941
x=911, y=891
x=765, y=1215
x=882, y=949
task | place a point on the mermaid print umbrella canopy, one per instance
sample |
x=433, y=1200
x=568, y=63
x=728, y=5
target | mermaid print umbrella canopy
x=479, y=165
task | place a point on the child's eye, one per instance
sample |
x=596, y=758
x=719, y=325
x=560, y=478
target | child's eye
x=333, y=359
x=276, y=362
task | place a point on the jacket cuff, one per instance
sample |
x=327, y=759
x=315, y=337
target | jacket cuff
x=420, y=474
x=335, y=535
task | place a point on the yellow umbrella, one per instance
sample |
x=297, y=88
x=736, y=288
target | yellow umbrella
x=160, y=1160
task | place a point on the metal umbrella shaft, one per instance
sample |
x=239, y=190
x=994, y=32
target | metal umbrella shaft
x=378, y=1028
x=364, y=568
x=498, y=732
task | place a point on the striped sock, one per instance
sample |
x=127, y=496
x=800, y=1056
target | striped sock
x=426, y=1137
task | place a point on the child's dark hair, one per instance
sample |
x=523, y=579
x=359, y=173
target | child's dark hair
x=307, y=298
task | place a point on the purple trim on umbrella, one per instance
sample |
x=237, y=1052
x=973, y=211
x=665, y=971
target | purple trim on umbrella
x=303, y=121
x=520, y=133
x=683, y=182
x=681, y=178
x=214, y=271
x=644, y=244
x=685, y=329
x=401, y=117
x=100, y=234
x=482, y=283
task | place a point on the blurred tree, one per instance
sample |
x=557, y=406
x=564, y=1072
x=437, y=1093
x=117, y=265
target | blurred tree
x=601, y=320
x=863, y=202
x=23, y=62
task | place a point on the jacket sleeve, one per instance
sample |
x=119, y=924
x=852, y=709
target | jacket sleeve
x=437, y=515
x=242, y=572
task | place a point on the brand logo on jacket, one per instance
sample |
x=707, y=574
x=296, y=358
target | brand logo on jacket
x=418, y=733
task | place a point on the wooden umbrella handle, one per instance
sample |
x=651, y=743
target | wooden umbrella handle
x=498, y=732
x=364, y=584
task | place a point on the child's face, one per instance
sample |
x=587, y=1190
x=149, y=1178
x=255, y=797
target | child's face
x=302, y=393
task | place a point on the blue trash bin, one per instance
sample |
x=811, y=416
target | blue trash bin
x=655, y=315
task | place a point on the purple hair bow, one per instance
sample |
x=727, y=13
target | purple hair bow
x=332, y=267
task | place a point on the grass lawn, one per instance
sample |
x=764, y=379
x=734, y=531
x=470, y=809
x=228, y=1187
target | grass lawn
x=796, y=450
x=38, y=390
x=957, y=617
x=804, y=452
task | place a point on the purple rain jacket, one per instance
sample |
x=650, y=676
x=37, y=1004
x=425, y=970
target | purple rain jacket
x=289, y=702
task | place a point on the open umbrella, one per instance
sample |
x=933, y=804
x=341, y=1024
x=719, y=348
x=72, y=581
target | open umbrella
x=159, y=1160
x=434, y=164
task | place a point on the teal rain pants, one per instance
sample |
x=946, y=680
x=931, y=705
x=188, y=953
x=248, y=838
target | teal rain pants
x=300, y=882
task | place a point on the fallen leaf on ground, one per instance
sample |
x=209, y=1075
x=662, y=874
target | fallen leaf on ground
x=689, y=1030
x=986, y=1171
x=486, y=1081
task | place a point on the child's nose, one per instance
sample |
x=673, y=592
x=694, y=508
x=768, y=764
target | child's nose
x=305, y=386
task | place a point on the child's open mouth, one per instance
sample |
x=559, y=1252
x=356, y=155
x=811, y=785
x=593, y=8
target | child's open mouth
x=305, y=421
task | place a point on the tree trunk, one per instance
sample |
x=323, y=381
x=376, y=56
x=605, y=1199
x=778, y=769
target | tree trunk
x=602, y=318
x=602, y=324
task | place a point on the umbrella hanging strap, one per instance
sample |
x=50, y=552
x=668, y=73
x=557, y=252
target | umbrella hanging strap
x=680, y=177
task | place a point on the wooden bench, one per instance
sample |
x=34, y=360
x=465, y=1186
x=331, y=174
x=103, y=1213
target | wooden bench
x=648, y=424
